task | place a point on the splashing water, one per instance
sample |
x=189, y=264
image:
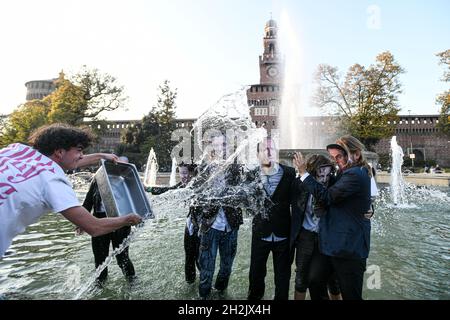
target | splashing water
x=125, y=243
x=173, y=173
x=212, y=185
x=228, y=173
x=151, y=169
x=397, y=181
x=81, y=180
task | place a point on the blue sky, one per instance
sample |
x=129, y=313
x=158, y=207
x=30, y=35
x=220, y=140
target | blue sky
x=208, y=48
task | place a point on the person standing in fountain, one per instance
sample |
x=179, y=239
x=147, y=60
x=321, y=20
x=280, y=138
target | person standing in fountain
x=344, y=231
x=32, y=182
x=191, y=239
x=305, y=236
x=100, y=244
x=271, y=229
x=218, y=223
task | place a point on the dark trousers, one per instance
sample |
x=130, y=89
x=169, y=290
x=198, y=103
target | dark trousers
x=100, y=247
x=191, y=247
x=313, y=268
x=349, y=274
x=258, y=268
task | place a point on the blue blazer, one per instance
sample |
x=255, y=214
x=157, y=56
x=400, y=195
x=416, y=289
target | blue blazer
x=344, y=231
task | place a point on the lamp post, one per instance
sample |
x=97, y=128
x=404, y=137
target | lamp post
x=411, y=153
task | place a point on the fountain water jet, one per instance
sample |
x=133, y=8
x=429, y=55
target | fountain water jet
x=397, y=182
x=151, y=169
x=173, y=173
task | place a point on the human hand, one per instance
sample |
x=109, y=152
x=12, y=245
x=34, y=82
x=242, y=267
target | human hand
x=111, y=157
x=299, y=163
x=132, y=219
x=79, y=231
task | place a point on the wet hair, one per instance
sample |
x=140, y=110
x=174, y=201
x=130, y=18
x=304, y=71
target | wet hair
x=351, y=146
x=315, y=161
x=49, y=138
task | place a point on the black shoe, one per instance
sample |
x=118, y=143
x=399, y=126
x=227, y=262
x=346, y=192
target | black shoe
x=221, y=285
x=190, y=279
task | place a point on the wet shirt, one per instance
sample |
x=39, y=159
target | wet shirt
x=221, y=222
x=31, y=185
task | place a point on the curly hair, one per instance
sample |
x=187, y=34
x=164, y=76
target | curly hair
x=315, y=161
x=49, y=138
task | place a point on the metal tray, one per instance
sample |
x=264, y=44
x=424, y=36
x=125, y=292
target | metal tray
x=121, y=190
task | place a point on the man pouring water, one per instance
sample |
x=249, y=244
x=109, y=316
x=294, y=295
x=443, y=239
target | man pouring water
x=33, y=182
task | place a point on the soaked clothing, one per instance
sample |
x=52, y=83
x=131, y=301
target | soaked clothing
x=210, y=243
x=100, y=244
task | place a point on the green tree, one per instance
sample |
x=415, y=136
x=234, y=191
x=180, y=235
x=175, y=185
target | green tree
x=84, y=97
x=365, y=101
x=444, y=98
x=67, y=103
x=21, y=123
x=155, y=130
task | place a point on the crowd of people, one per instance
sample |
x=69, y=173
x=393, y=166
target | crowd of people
x=316, y=215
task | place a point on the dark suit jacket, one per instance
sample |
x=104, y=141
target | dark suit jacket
x=278, y=219
x=206, y=214
x=344, y=231
x=299, y=208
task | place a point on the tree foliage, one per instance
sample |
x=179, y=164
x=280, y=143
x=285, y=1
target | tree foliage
x=84, y=97
x=444, y=98
x=21, y=123
x=155, y=130
x=365, y=100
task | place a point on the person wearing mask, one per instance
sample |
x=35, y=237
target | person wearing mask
x=306, y=215
x=218, y=221
x=344, y=231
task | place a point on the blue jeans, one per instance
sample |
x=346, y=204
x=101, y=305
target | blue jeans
x=210, y=242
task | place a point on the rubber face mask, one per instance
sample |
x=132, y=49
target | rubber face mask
x=324, y=174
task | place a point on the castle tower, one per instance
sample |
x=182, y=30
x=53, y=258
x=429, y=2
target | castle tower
x=39, y=89
x=264, y=98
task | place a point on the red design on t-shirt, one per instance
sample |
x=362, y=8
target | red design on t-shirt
x=19, y=161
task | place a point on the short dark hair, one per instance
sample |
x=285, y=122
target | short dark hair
x=49, y=138
x=191, y=167
x=315, y=161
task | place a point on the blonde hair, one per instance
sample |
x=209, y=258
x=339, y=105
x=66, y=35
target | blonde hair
x=351, y=145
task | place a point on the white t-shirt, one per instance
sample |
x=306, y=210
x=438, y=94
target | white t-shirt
x=31, y=185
